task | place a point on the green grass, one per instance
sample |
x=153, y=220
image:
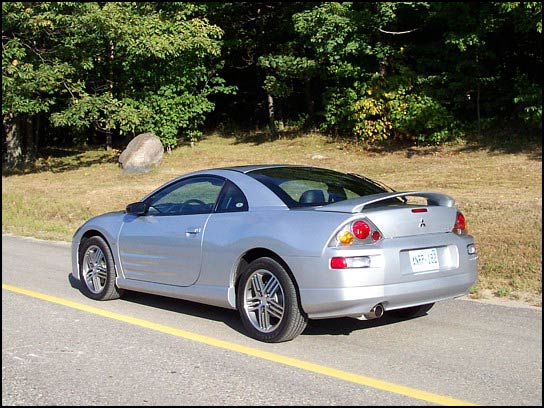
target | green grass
x=499, y=191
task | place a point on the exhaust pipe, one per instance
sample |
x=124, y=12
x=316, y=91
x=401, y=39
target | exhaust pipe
x=375, y=313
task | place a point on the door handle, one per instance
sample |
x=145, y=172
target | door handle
x=192, y=231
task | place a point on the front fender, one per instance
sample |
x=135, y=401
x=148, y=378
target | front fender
x=108, y=226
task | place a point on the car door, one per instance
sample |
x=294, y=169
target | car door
x=165, y=245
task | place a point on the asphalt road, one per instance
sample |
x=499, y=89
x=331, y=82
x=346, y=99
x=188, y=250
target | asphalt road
x=61, y=348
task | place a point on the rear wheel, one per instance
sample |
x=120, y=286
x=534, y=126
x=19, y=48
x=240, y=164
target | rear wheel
x=268, y=303
x=414, y=311
x=97, y=270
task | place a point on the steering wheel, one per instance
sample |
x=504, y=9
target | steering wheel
x=193, y=206
x=194, y=201
x=163, y=208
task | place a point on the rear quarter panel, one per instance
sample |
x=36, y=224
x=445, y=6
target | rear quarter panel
x=288, y=233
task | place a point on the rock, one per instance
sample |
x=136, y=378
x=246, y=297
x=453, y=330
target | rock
x=318, y=157
x=141, y=154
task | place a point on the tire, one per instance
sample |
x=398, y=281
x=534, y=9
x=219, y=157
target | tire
x=97, y=270
x=268, y=303
x=414, y=311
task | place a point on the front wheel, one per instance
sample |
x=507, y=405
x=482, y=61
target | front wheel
x=414, y=311
x=97, y=270
x=268, y=303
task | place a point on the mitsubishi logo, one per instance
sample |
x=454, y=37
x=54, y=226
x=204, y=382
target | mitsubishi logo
x=422, y=223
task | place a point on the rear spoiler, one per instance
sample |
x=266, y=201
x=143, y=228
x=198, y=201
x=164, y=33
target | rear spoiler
x=356, y=205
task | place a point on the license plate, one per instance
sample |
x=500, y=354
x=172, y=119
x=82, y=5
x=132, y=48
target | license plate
x=424, y=260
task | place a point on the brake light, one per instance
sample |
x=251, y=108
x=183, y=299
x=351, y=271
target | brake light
x=461, y=226
x=361, y=229
x=419, y=210
x=339, y=263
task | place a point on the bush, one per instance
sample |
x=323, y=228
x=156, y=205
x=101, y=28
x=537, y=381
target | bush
x=387, y=109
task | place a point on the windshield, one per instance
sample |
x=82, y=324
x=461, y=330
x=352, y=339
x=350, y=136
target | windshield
x=310, y=186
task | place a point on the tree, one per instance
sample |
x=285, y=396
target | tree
x=33, y=75
x=422, y=71
x=115, y=68
x=253, y=31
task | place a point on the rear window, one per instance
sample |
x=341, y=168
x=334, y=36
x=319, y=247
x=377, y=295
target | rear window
x=309, y=186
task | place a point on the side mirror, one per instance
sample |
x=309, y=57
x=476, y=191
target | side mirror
x=138, y=208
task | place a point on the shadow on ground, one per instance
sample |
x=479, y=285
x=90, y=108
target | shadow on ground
x=257, y=138
x=58, y=160
x=231, y=318
x=228, y=317
x=530, y=146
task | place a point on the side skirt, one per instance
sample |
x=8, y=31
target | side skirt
x=209, y=295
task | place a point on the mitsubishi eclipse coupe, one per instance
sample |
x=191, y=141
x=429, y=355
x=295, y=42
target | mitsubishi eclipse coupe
x=281, y=244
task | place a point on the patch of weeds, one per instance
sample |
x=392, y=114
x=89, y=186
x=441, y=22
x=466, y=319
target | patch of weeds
x=503, y=292
x=475, y=292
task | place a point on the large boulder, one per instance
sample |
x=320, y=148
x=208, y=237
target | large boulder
x=141, y=154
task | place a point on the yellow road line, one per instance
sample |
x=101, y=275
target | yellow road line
x=250, y=351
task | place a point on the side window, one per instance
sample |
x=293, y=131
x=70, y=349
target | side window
x=196, y=195
x=232, y=199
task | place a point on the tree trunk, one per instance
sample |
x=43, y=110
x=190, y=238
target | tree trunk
x=478, y=71
x=13, y=154
x=30, y=146
x=271, y=115
x=279, y=117
x=310, y=106
x=478, y=108
x=111, y=56
x=39, y=130
x=108, y=140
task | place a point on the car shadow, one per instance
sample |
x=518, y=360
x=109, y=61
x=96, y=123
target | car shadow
x=74, y=283
x=219, y=314
x=227, y=316
x=342, y=326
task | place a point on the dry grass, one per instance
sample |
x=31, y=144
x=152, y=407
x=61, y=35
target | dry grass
x=499, y=193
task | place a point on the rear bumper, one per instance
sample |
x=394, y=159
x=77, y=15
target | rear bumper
x=330, y=293
x=354, y=302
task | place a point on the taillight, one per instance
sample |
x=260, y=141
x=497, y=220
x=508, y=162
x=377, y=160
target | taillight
x=461, y=226
x=361, y=229
x=345, y=238
x=340, y=262
x=358, y=232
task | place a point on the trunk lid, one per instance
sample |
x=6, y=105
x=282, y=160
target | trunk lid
x=394, y=222
x=397, y=219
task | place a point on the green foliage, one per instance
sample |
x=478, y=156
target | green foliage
x=527, y=15
x=388, y=108
x=339, y=111
x=285, y=70
x=372, y=71
x=528, y=102
x=119, y=68
x=29, y=82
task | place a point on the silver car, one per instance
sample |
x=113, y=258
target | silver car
x=282, y=244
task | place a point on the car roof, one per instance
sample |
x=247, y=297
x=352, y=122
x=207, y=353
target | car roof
x=249, y=168
x=257, y=194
